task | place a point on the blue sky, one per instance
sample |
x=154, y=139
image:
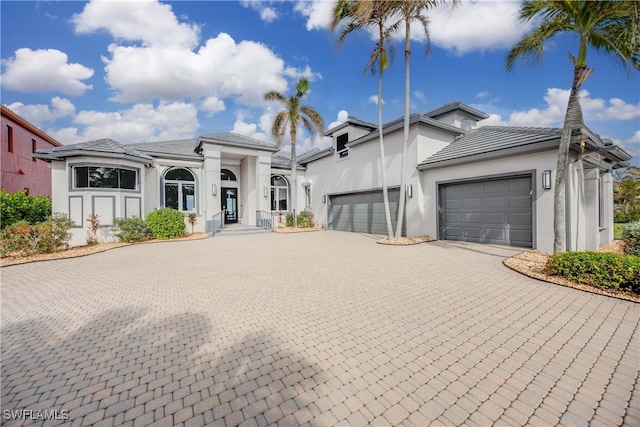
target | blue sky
x=146, y=70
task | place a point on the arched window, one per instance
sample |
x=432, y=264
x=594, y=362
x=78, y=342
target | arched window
x=227, y=175
x=180, y=189
x=279, y=193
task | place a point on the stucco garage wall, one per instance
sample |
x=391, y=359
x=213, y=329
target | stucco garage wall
x=361, y=170
x=542, y=199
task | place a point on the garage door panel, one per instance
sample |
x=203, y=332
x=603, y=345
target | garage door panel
x=495, y=234
x=495, y=187
x=472, y=203
x=473, y=218
x=494, y=218
x=519, y=185
x=493, y=211
x=522, y=219
x=452, y=204
x=362, y=212
x=494, y=203
x=472, y=232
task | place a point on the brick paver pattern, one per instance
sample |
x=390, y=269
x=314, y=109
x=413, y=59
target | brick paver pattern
x=324, y=328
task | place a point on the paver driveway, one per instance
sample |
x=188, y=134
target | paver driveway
x=322, y=328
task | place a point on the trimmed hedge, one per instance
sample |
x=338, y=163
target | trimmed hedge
x=631, y=237
x=603, y=270
x=166, y=223
x=19, y=206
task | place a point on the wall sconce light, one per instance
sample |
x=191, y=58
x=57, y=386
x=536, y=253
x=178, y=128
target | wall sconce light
x=324, y=198
x=546, y=180
x=214, y=190
x=265, y=191
x=409, y=191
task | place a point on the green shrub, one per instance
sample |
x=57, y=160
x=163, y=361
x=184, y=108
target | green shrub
x=24, y=239
x=604, y=270
x=54, y=232
x=166, y=223
x=305, y=220
x=288, y=220
x=623, y=217
x=631, y=237
x=131, y=230
x=19, y=206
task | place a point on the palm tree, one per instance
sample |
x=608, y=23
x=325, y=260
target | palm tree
x=361, y=15
x=611, y=26
x=290, y=117
x=409, y=10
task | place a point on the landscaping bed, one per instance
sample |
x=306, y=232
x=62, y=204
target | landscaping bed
x=533, y=264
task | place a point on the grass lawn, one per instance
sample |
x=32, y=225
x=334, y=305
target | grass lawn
x=617, y=229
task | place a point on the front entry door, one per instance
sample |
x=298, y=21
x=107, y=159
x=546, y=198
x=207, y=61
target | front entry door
x=229, y=204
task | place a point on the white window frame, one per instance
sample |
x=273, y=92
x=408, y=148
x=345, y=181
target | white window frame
x=74, y=185
x=180, y=184
x=276, y=190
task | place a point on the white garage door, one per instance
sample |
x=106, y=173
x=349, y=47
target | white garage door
x=498, y=211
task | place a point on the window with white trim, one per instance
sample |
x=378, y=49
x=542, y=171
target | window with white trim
x=279, y=193
x=179, y=186
x=307, y=195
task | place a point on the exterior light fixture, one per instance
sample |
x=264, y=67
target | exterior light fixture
x=324, y=198
x=214, y=190
x=265, y=191
x=410, y=191
x=546, y=180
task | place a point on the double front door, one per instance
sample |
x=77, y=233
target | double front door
x=229, y=204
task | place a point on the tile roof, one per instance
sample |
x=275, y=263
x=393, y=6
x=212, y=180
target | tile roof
x=99, y=148
x=490, y=139
x=181, y=148
x=234, y=139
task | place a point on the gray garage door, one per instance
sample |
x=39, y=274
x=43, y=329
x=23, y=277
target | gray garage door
x=363, y=212
x=490, y=211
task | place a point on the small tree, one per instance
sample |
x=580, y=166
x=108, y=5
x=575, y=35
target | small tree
x=192, y=218
x=94, y=227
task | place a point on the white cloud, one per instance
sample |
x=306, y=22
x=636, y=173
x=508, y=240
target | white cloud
x=221, y=68
x=420, y=96
x=140, y=123
x=260, y=131
x=471, y=25
x=342, y=117
x=38, y=114
x=373, y=99
x=44, y=70
x=482, y=94
x=264, y=8
x=163, y=58
x=630, y=145
x=476, y=25
x=147, y=20
x=212, y=105
x=594, y=109
x=317, y=12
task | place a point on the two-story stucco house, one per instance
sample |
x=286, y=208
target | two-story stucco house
x=490, y=184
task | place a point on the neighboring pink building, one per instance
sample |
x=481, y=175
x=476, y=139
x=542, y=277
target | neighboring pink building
x=20, y=170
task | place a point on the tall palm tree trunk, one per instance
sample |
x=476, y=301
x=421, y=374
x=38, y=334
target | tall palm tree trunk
x=294, y=179
x=573, y=119
x=383, y=168
x=403, y=179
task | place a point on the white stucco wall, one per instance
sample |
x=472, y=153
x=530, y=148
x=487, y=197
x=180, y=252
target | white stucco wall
x=78, y=204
